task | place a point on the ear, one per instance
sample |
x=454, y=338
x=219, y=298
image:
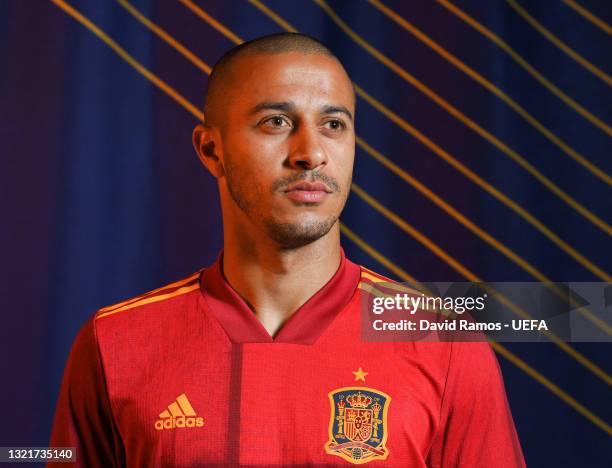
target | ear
x=207, y=144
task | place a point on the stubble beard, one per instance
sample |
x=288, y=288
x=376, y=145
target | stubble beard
x=286, y=235
x=295, y=235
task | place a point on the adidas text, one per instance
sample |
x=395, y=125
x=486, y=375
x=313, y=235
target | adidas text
x=179, y=421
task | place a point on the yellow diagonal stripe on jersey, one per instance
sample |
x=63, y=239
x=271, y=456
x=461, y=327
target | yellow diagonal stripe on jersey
x=175, y=410
x=185, y=405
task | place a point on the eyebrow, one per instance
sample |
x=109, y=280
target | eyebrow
x=290, y=107
x=336, y=110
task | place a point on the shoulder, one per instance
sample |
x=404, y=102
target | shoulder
x=376, y=284
x=373, y=277
x=159, y=299
x=141, y=329
x=450, y=353
x=474, y=361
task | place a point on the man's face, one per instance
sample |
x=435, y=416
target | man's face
x=288, y=144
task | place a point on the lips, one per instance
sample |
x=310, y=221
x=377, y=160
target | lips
x=308, y=192
x=310, y=187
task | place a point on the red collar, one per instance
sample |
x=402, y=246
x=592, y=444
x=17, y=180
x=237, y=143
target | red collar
x=303, y=327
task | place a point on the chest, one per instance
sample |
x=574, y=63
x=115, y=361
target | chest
x=276, y=403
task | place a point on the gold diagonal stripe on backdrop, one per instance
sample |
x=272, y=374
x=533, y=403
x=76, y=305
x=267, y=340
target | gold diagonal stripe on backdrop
x=526, y=215
x=129, y=59
x=459, y=267
x=454, y=60
x=415, y=233
x=605, y=27
x=450, y=210
x=457, y=165
x=470, y=276
x=271, y=14
x=166, y=37
x=212, y=21
x=535, y=24
x=518, y=59
x=498, y=347
x=376, y=255
x=448, y=258
x=465, y=272
x=115, y=47
x=518, y=362
x=488, y=136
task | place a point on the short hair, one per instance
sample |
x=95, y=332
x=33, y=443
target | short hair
x=271, y=44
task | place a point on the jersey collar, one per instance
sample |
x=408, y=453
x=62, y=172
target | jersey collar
x=303, y=327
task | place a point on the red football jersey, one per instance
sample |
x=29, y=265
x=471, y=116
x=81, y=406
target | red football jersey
x=186, y=375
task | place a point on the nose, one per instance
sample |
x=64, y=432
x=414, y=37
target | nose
x=306, y=149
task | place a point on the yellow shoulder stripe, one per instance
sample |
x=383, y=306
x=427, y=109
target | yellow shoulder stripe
x=133, y=299
x=151, y=300
x=369, y=274
x=388, y=284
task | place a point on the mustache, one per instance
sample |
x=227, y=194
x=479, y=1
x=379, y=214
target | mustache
x=308, y=176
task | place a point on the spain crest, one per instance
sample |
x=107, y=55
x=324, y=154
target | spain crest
x=358, y=424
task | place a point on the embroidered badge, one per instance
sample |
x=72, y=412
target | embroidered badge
x=358, y=424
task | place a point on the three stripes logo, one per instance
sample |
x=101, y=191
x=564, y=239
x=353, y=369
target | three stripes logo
x=179, y=414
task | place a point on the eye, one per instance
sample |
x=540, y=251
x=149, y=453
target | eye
x=277, y=121
x=335, y=125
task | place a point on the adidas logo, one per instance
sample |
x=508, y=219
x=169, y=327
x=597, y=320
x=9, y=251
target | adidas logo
x=179, y=414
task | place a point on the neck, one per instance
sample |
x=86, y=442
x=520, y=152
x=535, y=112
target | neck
x=274, y=281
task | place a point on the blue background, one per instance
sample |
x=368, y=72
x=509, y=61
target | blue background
x=103, y=198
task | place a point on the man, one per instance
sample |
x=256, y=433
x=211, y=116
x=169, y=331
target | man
x=258, y=359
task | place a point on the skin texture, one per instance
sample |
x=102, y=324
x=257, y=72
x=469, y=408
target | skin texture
x=281, y=119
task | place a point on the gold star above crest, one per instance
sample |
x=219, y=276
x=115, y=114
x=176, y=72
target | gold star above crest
x=360, y=374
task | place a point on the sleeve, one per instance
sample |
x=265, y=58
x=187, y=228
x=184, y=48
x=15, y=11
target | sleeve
x=83, y=417
x=476, y=427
